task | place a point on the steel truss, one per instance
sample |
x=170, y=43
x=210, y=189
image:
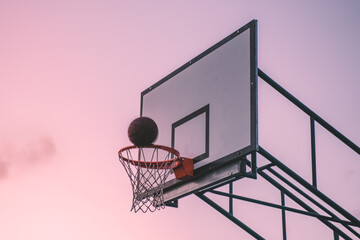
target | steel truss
x=292, y=185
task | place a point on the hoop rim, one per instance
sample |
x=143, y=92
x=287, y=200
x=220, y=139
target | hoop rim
x=158, y=164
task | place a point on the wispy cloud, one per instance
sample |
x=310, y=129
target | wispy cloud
x=17, y=156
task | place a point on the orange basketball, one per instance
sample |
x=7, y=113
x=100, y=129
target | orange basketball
x=143, y=131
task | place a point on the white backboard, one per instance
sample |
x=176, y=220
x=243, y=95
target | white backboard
x=207, y=109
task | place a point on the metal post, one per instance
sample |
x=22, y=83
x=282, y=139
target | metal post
x=230, y=198
x=229, y=216
x=309, y=112
x=302, y=204
x=283, y=215
x=289, y=209
x=313, y=152
x=308, y=186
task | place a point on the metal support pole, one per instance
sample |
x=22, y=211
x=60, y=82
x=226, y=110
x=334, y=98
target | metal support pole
x=283, y=218
x=308, y=186
x=301, y=203
x=313, y=152
x=289, y=209
x=309, y=112
x=344, y=223
x=230, y=198
x=279, y=176
x=229, y=216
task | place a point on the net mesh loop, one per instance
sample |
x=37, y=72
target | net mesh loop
x=148, y=168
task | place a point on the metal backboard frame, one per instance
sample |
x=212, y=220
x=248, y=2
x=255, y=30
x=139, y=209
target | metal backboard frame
x=234, y=164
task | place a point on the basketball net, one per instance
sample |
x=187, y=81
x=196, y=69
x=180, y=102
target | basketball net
x=148, y=174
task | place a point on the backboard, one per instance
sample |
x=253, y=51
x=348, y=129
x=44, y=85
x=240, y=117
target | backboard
x=207, y=110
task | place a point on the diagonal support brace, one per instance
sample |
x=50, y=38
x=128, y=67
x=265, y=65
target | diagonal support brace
x=229, y=216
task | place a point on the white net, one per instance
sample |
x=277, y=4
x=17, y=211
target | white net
x=147, y=174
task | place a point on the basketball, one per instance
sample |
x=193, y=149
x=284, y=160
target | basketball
x=142, y=131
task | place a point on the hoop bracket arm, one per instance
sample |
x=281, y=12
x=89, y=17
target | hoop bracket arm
x=184, y=168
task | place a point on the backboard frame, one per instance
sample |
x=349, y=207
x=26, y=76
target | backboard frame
x=231, y=166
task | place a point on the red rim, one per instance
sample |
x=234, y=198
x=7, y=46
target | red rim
x=159, y=164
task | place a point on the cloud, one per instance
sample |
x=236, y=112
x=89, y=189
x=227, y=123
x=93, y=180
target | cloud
x=16, y=156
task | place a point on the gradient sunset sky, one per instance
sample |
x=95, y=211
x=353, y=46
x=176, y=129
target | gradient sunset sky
x=71, y=74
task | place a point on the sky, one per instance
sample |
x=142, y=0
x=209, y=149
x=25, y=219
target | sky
x=71, y=74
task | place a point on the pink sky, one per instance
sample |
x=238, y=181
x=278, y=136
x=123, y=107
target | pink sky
x=71, y=74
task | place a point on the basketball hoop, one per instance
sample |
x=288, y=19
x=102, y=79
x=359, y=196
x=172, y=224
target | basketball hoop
x=149, y=171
